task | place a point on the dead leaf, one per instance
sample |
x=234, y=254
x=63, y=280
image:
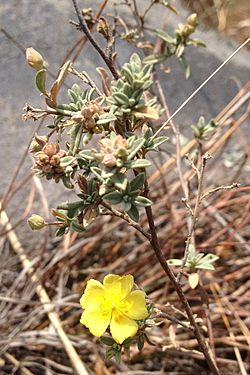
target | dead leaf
x=105, y=80
x=146, y=112
x=51, y=101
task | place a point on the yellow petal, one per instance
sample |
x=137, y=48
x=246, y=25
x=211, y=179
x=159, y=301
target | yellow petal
x=135, y=305
x=122, y=327
x=118, y=285
x=95, y=321
x=93, y=295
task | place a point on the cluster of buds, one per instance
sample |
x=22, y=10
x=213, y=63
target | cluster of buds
x=48, y=161
x=130, y=35
x=113, y=152
x=88, y=116
x=186, y=30
x=88, y=15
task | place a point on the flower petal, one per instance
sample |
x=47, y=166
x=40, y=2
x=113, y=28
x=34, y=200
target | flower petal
x=93, y=295
x=95, y=321
x=135, y=305
x=122, y=327
x=119, y=285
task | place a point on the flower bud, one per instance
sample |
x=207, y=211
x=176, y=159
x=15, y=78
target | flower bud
x=34, y=59
x=51, y=149
x=36, y=222
x=192, y=20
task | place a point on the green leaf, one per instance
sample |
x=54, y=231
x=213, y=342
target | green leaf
x=113, y=198
x=77, y=227
x=140, y=342
x=40, y=81
x=75, y=138
x=142, y=201
x=66, y=161
x=73, y=96
x=67, y=183
x=140, y=163
x=155, y=59
x=197, y=42
x=109, y=341
x=135, y=59
x=205, y=266
x=170, y=7
x=185, y=66
x=165, y=36
x=174, y=262
x=106, y=118
x=137, y=182
x=120, y=181
x=126, y=205
x=68, y=206
x=133, y=213
x=137, y=145
x=86, y=154
x=158, y=141
x=127, y=74
x=206, y=261
x=121, y=98
x=61, y=230
x=118, y=355
x=179, y=50
x=98, y=173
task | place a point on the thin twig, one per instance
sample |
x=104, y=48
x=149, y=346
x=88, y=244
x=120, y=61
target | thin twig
x=84, y=27
x=172, y=319
x=200, y=175
x=123, y=216
x=229, y=187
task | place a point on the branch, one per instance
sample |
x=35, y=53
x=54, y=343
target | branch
x=200, y=175
x=161, y=258
x=123, y=216
x=84, y=27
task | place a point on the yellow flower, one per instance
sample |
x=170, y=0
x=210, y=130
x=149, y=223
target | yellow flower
x=113, y=303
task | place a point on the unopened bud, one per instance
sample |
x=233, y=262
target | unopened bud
x=36, y=222
x=192, y=20
x=34, y=59
x=51, y=149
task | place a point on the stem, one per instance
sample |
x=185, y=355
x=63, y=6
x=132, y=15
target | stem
x=123, y=216
x=84, y=27
x=172, y=319
x=205, y=302
x=200, y=175
x=156, y=247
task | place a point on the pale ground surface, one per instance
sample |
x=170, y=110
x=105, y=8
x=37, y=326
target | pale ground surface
x=44, y=25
